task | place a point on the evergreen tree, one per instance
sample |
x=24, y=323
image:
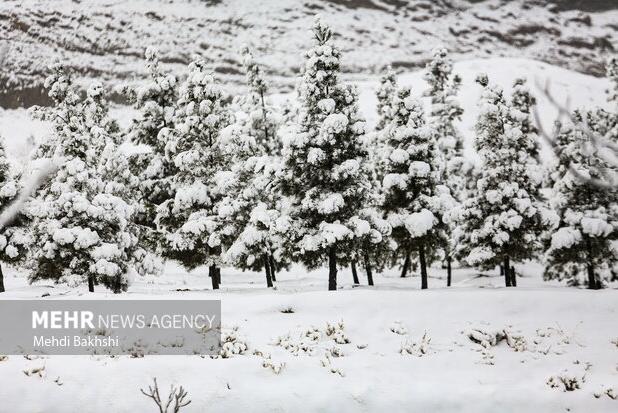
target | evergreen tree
x=189, y=219
x=385, y=93
x=155, y=101
x=82, y=230
x=248, y=210
x=414, y=201
x=325, y=169
x=15, y=237
x=258, y=119
x=445, y=110
x=584, y=246
x=502, y=222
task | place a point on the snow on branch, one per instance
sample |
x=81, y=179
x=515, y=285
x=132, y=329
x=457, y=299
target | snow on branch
x=600, y=143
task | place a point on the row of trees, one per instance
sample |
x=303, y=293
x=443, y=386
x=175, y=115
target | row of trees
x=215, y=181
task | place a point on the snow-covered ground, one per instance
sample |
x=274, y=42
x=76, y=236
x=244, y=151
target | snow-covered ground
x=522, y=338
x=555, y=332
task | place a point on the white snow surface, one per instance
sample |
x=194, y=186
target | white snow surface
x=562, y=329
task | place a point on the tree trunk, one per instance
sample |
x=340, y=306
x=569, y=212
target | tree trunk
x=414, y=265
x=218, y=272
x=449, y=271
x=332, y=269
x=368, y=269
x=117, y=284
x=1, y=280
x=507, y=271
x=593, y=283
x=91, y=283
x=406, y=266
x=421, y=257
x=501, y=269
x=513, y=277
x=269, y=281
x=212, y=273
x=273, y=269
x=264, y=117
x=354, y=273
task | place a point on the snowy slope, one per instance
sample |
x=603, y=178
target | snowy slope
x=105, y=39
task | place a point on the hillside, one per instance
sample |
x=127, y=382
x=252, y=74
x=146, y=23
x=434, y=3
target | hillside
x=105, y=39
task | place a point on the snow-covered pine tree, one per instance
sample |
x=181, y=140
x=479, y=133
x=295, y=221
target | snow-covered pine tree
x=502, y=221
x=259, y=119
x=414, y=200
x=248, y=209
x=83, y=232
x=189, y=219
x=584, y=246
x=522, y=103
x=325, y=164
x=15, y=237
x=155, y=101
x=385, y=93
x=247, y=212
x=445, y=110
x=374, y=140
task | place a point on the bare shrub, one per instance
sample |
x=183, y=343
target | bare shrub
x=177, y=396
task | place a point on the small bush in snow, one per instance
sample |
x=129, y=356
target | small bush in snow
x=419, y=349
x=565, y=382
x=176, y=399
x=275, y=367
x=327, y=363
x=313, y=334
x=335, y=332
x=36, y=371
x=609, y=392
x=231, y=344
x=303, y=346
x=398, y=328
x=491, y=338
x=335, y=352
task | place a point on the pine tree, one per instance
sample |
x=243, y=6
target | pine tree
x=259, y=119
x=414, y=200
x=385, y=93
x=155, y=101
x=15, y=237
x=325, y=170
x=84, y=232
x=189, y=220
x=445, y=110
x=584, y=247
x=501, y=223
x=248, y=210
